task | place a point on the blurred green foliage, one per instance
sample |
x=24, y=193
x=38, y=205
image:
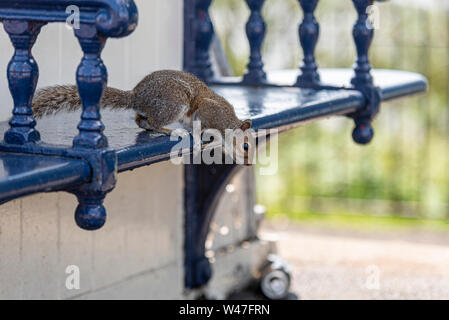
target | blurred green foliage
x=404, y=171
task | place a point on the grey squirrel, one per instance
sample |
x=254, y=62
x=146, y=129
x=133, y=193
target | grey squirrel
x=161, y=98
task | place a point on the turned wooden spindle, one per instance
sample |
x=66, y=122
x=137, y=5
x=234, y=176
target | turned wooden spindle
x=309, y=31
x=204, y=32
x=255, y=31
x=23, y=74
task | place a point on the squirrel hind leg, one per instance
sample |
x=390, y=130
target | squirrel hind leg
x=145, y=124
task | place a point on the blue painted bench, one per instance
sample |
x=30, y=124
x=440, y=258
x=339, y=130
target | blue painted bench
x=268, y=107
x=42, y=158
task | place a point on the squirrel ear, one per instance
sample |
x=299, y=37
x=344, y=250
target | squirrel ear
x=246, y=124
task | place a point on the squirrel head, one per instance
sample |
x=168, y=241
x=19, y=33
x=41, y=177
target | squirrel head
x=246, y=146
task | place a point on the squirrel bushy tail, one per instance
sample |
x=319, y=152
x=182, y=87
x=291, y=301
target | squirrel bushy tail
x=51, y=100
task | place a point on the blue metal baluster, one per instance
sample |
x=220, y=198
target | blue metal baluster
x=363, y=36
x=309, y=31
x=255, y=31
x=23, y=74
x=204, y=32
x=91, y=80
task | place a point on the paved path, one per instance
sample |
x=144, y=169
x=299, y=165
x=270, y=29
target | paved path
x=330, y=264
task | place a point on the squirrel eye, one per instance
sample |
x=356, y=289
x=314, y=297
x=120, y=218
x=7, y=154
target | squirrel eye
x=246, y=146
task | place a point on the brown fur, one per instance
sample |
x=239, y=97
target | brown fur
x=161, y=98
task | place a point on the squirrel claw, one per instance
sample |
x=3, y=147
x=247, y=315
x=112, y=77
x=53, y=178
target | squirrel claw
x=164, y=132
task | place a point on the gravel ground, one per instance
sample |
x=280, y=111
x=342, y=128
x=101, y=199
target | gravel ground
x=335, y=264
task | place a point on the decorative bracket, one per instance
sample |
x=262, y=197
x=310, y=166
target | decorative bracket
x=204, y=186
x=99, y=19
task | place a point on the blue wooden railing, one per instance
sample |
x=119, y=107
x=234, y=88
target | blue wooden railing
x=199, y=36
x=99, y=19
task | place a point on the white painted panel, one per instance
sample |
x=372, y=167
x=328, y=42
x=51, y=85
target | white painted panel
x=143, y=239
x=162, y=283
x=75, y=248
x=39, y=254
x=10, y=251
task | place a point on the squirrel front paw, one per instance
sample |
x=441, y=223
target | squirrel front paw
x=142, y=122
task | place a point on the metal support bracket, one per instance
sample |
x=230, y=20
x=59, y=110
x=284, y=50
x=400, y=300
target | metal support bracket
x=204, y=186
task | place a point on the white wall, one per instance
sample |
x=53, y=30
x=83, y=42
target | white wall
x=155, y=44
x=135, y=255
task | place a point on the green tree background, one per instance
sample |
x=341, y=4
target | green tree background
x=404, y=171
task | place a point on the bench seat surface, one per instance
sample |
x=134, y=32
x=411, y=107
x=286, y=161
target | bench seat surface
x=268, y=107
